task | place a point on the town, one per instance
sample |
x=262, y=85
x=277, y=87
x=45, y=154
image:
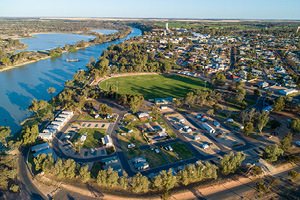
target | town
x=175, y=108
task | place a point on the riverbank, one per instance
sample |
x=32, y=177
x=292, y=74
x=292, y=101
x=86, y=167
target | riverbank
x=5, y=68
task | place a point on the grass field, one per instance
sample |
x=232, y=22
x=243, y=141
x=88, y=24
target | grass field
x=93, y=138
x=154, y=86
x=182, y=150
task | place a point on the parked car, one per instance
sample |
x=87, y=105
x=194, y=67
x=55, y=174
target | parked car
x=67, y=136
x=156, y=151
x=151, y=148
x=131, y=146
x=170, y=148
x=298, y=143
x=92, y=150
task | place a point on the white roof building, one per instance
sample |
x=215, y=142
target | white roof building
x=107, y=141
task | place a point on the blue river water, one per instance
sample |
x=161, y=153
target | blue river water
x=19, y=86
x=49, y=41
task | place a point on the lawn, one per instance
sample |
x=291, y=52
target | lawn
x=93, y=138
x=170, y=155
x=182, y=150
x=88, y=117
x=155, y=86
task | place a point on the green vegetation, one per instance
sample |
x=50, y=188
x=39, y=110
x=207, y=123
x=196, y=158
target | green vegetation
x=272, y=152
x=93, y=138
x=231, y=162
x=182, y=150
x=155, y=86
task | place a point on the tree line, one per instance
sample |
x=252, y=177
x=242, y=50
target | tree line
x=164, y=182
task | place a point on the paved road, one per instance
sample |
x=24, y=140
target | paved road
x=28, y=190
x=121, y=111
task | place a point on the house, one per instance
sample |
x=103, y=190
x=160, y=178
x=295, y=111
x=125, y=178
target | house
x=40, y=147
x=208, y=127
x=143, y=115
x=141, y=165
x=163, y=107
x=110, y=160
x=45, y=151
x=139, y=159
x=46, y=136
x=263, y=84
x=107, y=141
x=287, y=92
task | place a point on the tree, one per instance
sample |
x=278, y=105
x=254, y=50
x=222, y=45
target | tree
x=279, y=104
x=134, y=104
x=51, y=90
x=29, y=135
x=102, y=178
x=295, y=125
x=231, y=162
x=260, y=186
x=293, y=174
x=155, y=111
x=4, y=134
x=248, y=128
x=218, y=79
x=157, y=182
x=190, y=99
x=177, y=103
x=251, y=114
x=84, y=174
x=113, y=88
x=263, y=119
x=104, y=109
x=239, y=97
x=210, y=112
x=37, y=106
x=168, y=180
x=256, y=170
x=123, y=181
x=257, y=93
x=286, y=142
x=271, y=153
x=112, y=177
x=14, y=188
x=249, y=76
x=183, y=177
x=140, y=183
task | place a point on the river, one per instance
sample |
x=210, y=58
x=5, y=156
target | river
x=19, y=86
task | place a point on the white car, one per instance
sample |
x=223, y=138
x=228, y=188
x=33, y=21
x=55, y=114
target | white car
x=92, y=150
x=131, y=146
x=67, y=136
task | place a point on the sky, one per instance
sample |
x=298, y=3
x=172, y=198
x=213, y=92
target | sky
x=198, y=9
